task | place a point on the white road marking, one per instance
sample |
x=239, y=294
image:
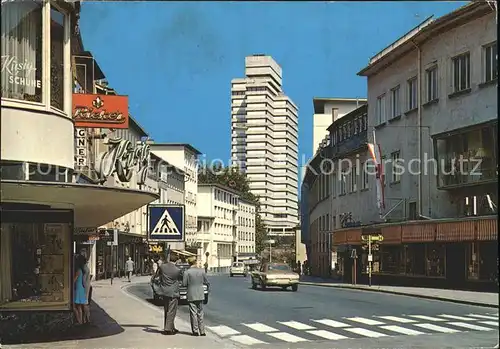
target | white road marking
x=484, y=316
x=397, y=319
x=402, y=330
x=287, y=337
x=297, y=325
x=437, y=328
x=470, y=326
x=327, y=335
x=261, y=327
x=365, y=332
x=365, y=321
x=331, y=323
x=246, y=340
x=491, y=323
x=223, y=330
x=454, y=317
x=428, y=318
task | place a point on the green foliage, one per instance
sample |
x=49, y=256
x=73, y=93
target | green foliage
x=232, y=178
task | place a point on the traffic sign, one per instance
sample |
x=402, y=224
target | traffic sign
x=166, y=222
x=367, y=238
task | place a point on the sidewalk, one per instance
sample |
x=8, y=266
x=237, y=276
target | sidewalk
x=120, y=320
x=457, y=296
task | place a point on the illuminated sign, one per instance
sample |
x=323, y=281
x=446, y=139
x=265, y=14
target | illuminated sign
x=100, y=111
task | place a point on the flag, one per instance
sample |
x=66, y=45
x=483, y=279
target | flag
x=376, y=155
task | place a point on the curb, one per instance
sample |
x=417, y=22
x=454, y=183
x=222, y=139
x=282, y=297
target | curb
x=487, y=305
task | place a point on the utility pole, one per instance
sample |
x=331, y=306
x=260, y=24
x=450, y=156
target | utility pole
x=369, y=239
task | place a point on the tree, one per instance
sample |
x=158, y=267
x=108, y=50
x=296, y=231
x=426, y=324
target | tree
x=232, y=178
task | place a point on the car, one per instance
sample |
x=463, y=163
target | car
x=275, y=275
x=182, y=290
x=238, y=268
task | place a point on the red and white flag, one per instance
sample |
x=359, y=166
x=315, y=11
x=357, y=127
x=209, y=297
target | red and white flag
x=376, y=155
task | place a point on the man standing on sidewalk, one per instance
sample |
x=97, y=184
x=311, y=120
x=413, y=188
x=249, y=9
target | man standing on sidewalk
x=194, y=279
x=129, y=267
x=169, y=277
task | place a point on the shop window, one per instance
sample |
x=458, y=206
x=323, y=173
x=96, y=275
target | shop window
x=435, y=260
x=392, y=259
x=472, y=260
x=43, y=278
x=415, y=259
x=22, y=50
x=12, y=170
x=48, y=173
x=488, y=261
x=56, y=58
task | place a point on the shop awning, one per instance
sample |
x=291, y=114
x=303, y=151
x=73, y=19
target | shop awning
x=184, y=253
x=94, y=205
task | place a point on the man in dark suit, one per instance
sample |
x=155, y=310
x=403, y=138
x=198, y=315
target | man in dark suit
x=194, y=278
x=168, y=276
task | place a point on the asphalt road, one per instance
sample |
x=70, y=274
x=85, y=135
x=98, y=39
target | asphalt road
x=344, y=318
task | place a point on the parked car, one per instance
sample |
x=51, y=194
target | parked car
x=238, y=268
x=277, y=275
x=182, y=290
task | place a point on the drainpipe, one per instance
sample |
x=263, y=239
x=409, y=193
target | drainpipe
x=419, y=125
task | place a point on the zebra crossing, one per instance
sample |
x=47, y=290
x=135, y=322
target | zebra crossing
x=292, y=331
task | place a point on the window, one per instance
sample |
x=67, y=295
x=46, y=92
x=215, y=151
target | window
x=432, y=83
x=490, y=62
x=343, y=180
x=364, y=177
x=334, y=184
x=395, y=102
x=43, y=277
x=412, y=93
x=22, y=50
x=396, y=167
x=461, y=72
x=381, y=116
x=56, y=58
x=354, y=179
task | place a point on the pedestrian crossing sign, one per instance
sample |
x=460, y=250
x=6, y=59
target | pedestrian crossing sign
x=166, y=222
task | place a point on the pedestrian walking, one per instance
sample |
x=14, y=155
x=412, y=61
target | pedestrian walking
x=299, y=268
x=129, y=267
x=206, y=267
x=167, y=279
x=194, y=279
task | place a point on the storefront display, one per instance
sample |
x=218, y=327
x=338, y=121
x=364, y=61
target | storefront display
x=35, y=260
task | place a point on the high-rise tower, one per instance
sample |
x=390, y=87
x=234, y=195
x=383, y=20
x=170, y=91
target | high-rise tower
x=264, y=141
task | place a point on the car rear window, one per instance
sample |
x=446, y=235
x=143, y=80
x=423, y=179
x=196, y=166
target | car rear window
x=237, y=265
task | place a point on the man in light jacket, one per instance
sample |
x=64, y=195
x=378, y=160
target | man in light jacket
x=129, y=267
x=168, y=276
x=194, y=278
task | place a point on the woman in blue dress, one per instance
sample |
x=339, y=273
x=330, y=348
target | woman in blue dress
x=80, y=295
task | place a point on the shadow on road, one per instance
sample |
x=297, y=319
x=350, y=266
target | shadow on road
x=102, y=325
x=274, y=289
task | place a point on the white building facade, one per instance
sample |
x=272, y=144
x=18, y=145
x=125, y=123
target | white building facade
x=226, y=226
x=184, y=157
x=264, y=141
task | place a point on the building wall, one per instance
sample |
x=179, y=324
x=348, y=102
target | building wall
x=246, y=227
x=264, y=130
x=446, y=114
x=180, y=156
x=324, y=117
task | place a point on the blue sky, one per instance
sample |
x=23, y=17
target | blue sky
x=175, y=60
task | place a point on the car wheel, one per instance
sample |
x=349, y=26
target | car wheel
x=295, y=288
x=254, y=285
x=262, y=286
x=205, y=301
x=284, y=288
x=245, y=275
x=231, y=275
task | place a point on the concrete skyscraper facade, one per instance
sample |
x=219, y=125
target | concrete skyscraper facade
x=264, y=141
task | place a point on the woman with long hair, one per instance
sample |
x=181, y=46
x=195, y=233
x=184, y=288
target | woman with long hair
x=80, y=295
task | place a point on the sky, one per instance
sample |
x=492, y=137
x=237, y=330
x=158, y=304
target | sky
x=175, y=60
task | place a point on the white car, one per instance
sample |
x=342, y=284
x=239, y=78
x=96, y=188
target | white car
x=238, y=268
